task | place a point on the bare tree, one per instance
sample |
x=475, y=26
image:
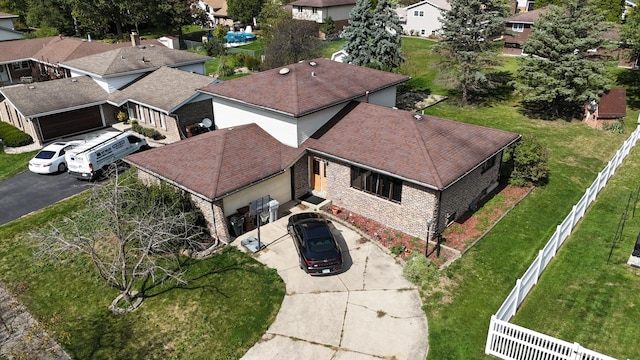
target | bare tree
x=130, y=231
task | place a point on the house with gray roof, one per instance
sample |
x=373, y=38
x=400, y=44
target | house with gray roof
x=171, y=111
x=329, y=129
x=320, y=10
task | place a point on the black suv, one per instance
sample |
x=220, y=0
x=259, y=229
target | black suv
x=317, y=248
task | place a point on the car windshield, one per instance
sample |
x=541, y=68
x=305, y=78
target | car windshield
x=321, y=245
x=45, y=154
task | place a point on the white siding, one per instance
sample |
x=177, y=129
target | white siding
x=338, y=12
x=307, y=125
x=278, y=188
x=423, y=25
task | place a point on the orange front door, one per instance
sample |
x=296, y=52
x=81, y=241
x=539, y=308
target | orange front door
x=318, y=175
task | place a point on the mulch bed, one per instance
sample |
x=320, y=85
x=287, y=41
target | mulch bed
x=456, y=239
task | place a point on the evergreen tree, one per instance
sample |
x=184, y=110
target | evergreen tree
x=358, y=34
x=469, y=28
x=386, y=37
x=612, y=9
x=559, y=74
x=630, y=32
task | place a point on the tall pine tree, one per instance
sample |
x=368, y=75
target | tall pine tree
x=358, y=34
x=560, y=73
x=469, y=28
x=386, y=37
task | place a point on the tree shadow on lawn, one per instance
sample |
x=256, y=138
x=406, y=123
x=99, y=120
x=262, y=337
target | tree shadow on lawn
x=631, y=81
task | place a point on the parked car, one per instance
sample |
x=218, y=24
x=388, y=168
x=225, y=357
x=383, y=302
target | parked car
x=51, y=158
x=317, y=248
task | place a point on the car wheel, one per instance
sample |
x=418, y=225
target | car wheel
x=62, y=167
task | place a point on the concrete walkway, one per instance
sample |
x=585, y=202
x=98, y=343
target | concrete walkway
x=367, y=312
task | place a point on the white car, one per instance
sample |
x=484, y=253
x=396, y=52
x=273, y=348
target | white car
x=51, y=158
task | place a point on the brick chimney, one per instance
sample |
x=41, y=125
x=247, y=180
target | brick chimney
x=135, y=39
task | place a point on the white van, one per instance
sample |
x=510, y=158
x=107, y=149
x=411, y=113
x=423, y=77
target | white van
x=88, y=160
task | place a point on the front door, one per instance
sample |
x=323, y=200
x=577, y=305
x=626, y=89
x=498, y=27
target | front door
x=318, y=175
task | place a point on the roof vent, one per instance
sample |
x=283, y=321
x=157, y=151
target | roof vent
x=313, y=63
x=284, y=71
x=313, y=74
x=418, y=117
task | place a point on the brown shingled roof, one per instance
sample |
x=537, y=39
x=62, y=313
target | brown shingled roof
x=613, y=104
x=304, y=88
x=527, y=17
x=219, y=162
x=431, y=151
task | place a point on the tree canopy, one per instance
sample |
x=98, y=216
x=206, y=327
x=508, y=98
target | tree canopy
x=292, y=41
x=630, y=31
x=561, y=73
x=612, y=9
x=374, y=39
x=469, y=28
x=244, y=10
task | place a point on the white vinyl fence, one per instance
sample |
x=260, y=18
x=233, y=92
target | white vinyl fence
x=509, y=341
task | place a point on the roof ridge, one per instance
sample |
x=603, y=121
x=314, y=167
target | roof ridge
x=424, y=149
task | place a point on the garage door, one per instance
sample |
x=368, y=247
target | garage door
x=58, y=125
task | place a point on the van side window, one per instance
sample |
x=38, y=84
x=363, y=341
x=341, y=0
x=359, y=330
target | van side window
x=133, y=139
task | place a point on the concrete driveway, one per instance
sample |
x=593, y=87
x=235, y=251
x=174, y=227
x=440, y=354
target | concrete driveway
x=367, y=312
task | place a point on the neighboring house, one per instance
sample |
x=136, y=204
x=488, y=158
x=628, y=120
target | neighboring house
x=611, y=108
x=217, y=12
x=52, y=109
x=329, y=130
x=520, y=6
x=320, y=10
x=517, y=30
x=423, y=18
x=7, y=29
x=39, y=59
x=117, y=68
x=166, y=100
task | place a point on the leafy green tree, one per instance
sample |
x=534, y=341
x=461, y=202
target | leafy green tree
x=560, y=74
x=244, y=10
x=386, y=37
x=612, y=9
x=358, y=34
x=173, y=14
x=530, y=162
x=470, y=53
x=630, y=32
x=16, y=7
x=54, y=14
x=292, y=41
x=271, y=16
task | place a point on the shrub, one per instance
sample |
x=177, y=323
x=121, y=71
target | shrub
x=396, y=249
x=12, y=136
x=225, y=68
x=214, y=47
x=420, y=270
x=615, y=127
x=151, y=133
x=530, y=162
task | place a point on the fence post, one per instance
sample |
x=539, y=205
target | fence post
x=539, y=266
x=573, y=217
x=556, y=244
x=487, y=347
x=576, y=351
x=517, y=302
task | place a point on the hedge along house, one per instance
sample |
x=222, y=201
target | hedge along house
x=167, y=101
x=312, y=128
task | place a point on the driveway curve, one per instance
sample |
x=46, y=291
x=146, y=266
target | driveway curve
x=369, y=311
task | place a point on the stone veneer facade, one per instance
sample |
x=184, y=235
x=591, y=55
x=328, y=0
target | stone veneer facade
x=300, y=177
x=212, y=211
x=410, y=215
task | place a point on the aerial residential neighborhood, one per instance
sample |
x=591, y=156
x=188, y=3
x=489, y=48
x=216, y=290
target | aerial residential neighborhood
x=224, y=179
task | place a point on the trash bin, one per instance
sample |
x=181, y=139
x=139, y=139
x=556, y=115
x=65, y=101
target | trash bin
x=237, y=223
x=273, y=210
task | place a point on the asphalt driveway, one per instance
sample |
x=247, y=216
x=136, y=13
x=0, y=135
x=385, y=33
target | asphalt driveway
x=28, y=192
x=367, y=312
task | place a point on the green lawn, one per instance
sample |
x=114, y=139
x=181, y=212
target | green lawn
x=225, y=308
x=13, y=164
x=580, y=296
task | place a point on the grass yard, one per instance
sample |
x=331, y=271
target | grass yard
x=580, y=297
x=228, y=304
x=13, y=164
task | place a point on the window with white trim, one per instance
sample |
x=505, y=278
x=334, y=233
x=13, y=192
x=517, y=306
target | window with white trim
x=517, y=27
x=23, y=65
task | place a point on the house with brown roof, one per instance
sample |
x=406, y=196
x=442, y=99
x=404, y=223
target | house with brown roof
x=7, y=29
x=329, y=130
x=216, y=11
x=517, y=29
x=320, y=10
x=611, y=107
